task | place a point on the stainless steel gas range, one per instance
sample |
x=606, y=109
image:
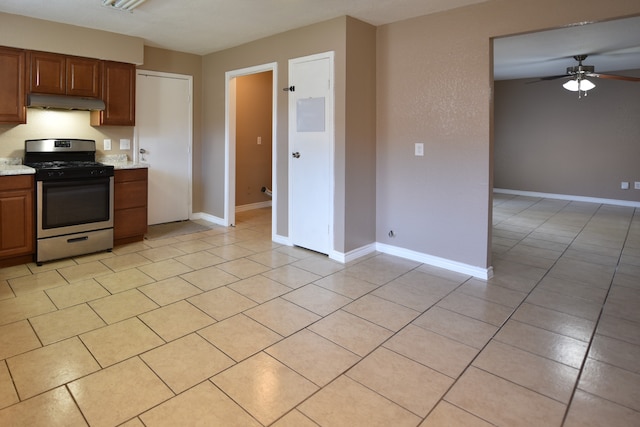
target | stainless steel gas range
x=74, y=198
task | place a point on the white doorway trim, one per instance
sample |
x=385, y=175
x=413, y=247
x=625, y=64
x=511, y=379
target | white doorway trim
x=230, y=142
x=136, y=140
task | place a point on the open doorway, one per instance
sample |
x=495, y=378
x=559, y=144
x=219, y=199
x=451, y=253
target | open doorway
x=249, y=144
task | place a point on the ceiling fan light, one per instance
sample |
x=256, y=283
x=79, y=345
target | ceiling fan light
x=572, y=85
x=586, y=85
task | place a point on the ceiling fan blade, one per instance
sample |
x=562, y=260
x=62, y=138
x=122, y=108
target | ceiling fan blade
x=542, y=79
x=615, y=77
x=555, y=77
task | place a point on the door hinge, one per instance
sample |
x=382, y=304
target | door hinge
x=289, y=89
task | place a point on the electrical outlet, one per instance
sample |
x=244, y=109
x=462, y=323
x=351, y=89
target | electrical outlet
x=624, y=185
x=636, y=185
x=259, y=140
x=419, y=149
x=107, y=144
x=125, y=144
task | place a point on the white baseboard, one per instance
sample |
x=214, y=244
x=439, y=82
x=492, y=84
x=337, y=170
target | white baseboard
x=570, y=197
x=252, y=206
x=283, y=240
x=352, y=255
x=208, y=217
x=478, y=272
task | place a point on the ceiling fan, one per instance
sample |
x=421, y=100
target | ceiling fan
x=579, y=73
x=588, y=71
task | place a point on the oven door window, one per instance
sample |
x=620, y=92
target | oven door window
x=67, y=203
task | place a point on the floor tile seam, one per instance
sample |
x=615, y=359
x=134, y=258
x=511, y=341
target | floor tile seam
x=65, y=384
x=510, y=318
x=577, y=299
x=211, y=379
x=188, y=333
x=492, y=301
x=614, y=315
x=542, y=328
x=419, y=416
x=590, y=343
x=609, y=400
x=501, y=287
x=138, y=356
x=344, y=374
x=566, y=404
x=543, y=356
x=320, y=387
x=454, y=312
x=613, y=365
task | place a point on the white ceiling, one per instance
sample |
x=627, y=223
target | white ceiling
x=205, y=26
x=611, y=46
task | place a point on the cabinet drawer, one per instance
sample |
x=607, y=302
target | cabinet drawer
x=130, y=194
x=124, y=175
x=16, y=182
x=129, y=222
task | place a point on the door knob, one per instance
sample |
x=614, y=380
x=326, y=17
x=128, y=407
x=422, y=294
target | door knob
x=142, y=151
x=296, y=155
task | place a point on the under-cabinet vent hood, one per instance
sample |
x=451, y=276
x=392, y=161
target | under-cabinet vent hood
x=61, y=102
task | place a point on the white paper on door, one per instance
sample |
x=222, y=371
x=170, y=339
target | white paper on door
x=310, y=115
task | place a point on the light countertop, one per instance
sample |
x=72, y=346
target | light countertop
x=8, y=170
x=120, y=161
x=13, y=166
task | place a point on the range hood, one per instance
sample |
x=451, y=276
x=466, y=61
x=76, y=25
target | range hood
x=61, y=102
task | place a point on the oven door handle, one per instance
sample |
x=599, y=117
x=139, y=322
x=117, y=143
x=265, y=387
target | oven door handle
x=78, y=239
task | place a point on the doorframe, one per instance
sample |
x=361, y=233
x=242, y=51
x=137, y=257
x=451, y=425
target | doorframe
x=230, y=142
x=136, y=140
x=330, y=55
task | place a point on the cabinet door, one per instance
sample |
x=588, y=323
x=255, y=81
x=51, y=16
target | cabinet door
x=48, y=73
x=119, y=95
x=83, y=77
x=16, y=223
x=12, y=86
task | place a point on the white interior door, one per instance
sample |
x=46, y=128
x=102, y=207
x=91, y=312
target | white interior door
x=163, y=131
x=311, y=139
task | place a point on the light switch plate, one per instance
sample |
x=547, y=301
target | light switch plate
x=624, y=185
x=125, y=144
x=636, y=185
x=419, y=149
x=107, y=144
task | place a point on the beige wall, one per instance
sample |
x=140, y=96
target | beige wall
x=359, y=160
x=547, y=140
x=435, y=86
x=60, y=124
x=354, y=149
x=254, y=95
x=36, y=34
x=280, y=48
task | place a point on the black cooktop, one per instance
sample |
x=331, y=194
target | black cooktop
x=56, y=159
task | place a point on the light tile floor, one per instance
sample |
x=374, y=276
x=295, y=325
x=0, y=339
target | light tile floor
x=226, y=328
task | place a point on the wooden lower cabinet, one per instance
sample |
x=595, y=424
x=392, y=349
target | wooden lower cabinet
x=17, y=238
x=130, y=205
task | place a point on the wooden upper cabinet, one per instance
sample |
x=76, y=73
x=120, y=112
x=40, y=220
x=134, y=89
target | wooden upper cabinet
x=47, y=73
x=55, y=74
x=83, y=77
x=12, y=86
x=119, y=95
